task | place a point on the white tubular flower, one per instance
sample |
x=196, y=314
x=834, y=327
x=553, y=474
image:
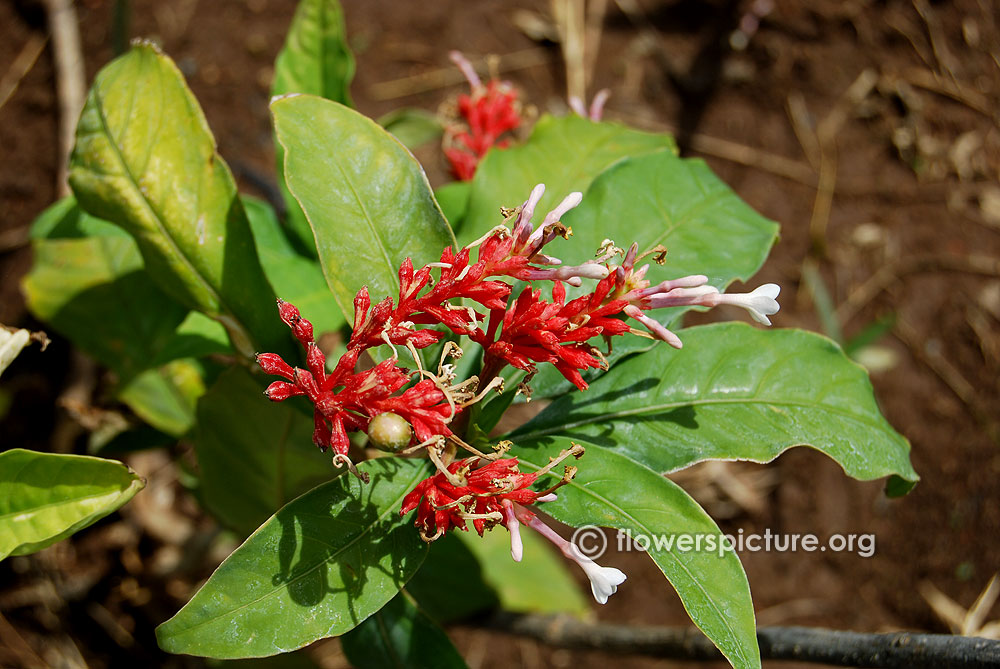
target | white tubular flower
x=761, y=303
x=604, y=581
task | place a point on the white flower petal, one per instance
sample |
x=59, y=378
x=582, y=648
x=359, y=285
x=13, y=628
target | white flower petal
x=604, y=581
x=760, y=303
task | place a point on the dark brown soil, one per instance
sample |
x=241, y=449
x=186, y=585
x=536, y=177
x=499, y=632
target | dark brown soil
x=915, y=205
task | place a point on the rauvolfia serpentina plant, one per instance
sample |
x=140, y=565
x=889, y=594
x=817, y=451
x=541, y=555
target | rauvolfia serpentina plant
x=450, y=307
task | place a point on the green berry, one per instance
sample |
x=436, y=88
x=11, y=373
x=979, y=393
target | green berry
x=389, y=432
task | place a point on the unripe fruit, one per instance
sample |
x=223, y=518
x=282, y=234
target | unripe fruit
x=389, y=432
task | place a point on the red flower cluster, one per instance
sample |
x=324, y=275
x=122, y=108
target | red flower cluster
x=345, y=401
x=488, y=113
x=531, y=330
x=538, y=331
x=475, y=494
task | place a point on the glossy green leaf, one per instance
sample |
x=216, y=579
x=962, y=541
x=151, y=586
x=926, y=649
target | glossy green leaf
x=296, y=278
x=317, y=60
x=400, y=635
x=45, y=497
x=93, y=290
x=254, y=455
x=165, y=397
x=454, y=200
x=318, y=567
x=659, y=198
x=612, y=491
x=734, y=392
x=146, y=160
x=367, y=200
x=565, y=154
x=64, y=219
x=411, y=126
x=197, y=336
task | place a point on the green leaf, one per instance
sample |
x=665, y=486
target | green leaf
x=316, y=58
x=45, y=497
x=734, y=392
x=146, y=160
x=454, y=200
x=367, y=200
x=659, y=198
x=196, y=337
x=565, y=154
x=93, y=290
x=165, y=397
x=411, y=126
x=65, y=220
x=318, y=567
x=612, y=491
x=296, y=278
x=254, y=455
x=399, y=635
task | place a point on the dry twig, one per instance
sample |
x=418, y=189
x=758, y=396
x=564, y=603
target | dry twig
x=70, y=79
x=889, y=274
x=967, y=622
x=25, y=60
x=433, y=80
x=904, y=650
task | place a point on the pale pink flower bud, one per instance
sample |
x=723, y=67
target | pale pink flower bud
x=514, y=527
x=569, y=202
x=466, y=67
x=658, y=330
x=523, y=227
